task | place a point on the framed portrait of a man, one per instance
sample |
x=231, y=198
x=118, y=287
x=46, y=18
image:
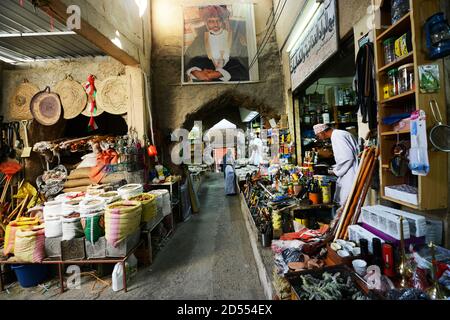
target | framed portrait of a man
x=219, y=44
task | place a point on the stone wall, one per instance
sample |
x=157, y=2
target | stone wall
x=44, y=74
x=49, y=73
x=173, y=103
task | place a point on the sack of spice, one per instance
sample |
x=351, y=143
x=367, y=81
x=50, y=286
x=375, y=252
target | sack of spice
x=93, y=225
x=149, y=206
x=30, y=245
x=122, y=219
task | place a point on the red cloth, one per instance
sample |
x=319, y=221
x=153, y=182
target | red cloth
x=306, y=234
x=103, y=159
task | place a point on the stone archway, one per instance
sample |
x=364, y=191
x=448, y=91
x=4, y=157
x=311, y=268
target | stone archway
x=226, y=106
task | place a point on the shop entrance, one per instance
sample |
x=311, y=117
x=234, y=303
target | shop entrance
x=328, y=97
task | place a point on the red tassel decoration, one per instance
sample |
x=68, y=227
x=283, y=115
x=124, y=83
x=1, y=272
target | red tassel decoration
x=92, y=92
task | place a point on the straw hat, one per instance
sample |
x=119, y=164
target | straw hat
x=112, y=95
x=19, y=106
x=73, y=97
x=46, y=107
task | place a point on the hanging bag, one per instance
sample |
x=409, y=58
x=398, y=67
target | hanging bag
x=419, y=162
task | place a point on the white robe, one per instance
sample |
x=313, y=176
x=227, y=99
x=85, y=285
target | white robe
x=346, y=150
x=230, y=181
x=256, y=147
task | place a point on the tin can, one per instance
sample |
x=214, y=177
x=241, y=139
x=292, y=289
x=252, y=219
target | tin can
x=326, y=193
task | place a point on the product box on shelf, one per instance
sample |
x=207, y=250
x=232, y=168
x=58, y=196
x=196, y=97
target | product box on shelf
x=73, y=249
x=403, y=193
x=124, y=247
x=96, y=250
x=53, y=247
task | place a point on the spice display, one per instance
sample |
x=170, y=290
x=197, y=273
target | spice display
x=328, y=286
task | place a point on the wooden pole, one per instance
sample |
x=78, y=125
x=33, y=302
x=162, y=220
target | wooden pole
x=347, y=204
x=358, y=192
x=365, y=191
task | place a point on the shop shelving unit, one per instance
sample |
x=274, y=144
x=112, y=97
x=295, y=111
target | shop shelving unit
x=432, y=189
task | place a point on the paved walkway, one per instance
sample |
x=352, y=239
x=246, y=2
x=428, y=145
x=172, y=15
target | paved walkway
x=208, y=257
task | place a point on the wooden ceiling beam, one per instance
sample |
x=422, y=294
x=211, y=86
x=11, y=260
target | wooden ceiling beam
x=59, y=11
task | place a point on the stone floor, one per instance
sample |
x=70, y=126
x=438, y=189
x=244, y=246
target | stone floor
x=208, y=257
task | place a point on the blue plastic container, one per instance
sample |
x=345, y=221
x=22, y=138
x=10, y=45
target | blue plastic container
x=30, y=275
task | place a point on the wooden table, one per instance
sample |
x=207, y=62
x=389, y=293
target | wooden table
x=60, y=263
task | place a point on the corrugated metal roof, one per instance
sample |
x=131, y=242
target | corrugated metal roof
x=15, y=47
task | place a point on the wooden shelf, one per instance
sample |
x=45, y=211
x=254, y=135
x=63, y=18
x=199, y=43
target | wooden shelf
x=403, y=203
x=402, y=26
x=399, y=97
x=399, y=62
x=394, y=133
x=412, y=100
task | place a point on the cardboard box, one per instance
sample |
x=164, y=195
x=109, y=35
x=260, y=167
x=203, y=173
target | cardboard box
x=53, y=247
x=124, y=247
x=96, y=250
x=73, y=249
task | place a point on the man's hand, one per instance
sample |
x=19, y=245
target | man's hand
x=213, y=75
x=201, y=75
x=207, y=75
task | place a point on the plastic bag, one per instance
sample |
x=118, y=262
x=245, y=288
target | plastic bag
x=419, y=162
x=291, y=255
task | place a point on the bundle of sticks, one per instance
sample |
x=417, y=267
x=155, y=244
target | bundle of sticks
x=358, y=194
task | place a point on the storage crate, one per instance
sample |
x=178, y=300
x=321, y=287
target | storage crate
x=295, y=280
x=417, y=224
x=124, y=247
x=96, y=250
x=384, y=221
x=395, y=192
x=73, y=249
x=53, y=247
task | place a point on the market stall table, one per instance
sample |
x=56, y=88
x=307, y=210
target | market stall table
x=60, y=263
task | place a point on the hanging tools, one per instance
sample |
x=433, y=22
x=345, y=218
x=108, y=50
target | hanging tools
x=26, y=153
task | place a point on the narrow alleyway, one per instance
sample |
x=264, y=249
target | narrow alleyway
x=208, y=257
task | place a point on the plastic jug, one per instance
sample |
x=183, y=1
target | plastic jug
x=117, y=275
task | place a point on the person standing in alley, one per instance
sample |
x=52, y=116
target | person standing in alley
x=346, y=151
x=230, y=177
